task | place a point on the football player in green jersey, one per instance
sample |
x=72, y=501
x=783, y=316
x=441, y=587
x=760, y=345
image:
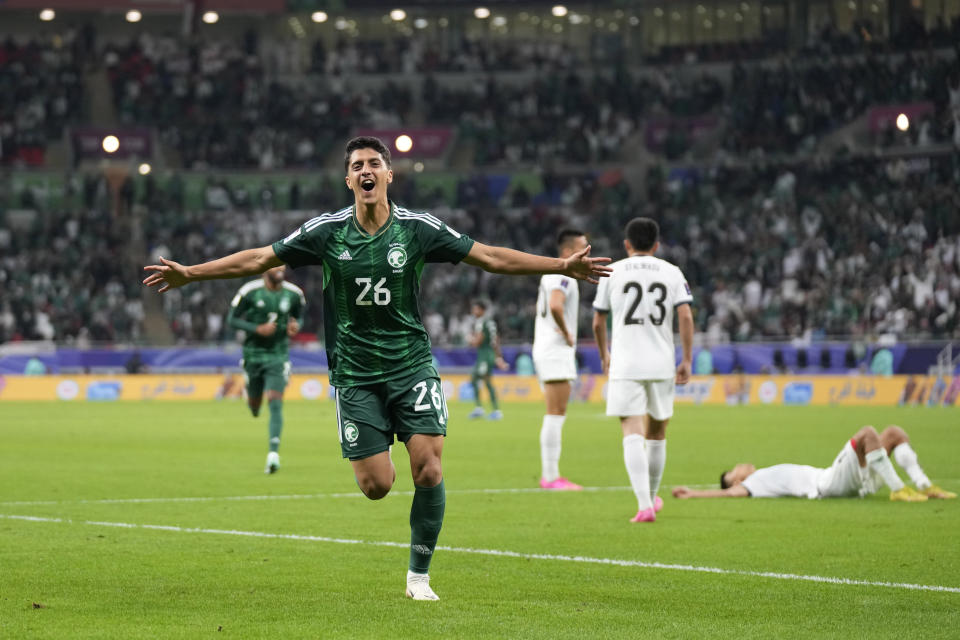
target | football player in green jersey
x=270, y=310
x=372, y=254
x=487, y=343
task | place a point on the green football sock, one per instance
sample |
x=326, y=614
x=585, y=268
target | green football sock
x=493, y=395
x=475, y=383
x=276, y=423
x=426, y=518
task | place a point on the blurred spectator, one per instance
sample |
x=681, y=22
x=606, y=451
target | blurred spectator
x=135, y=363
x=64, y=278
x=41, y=91
x=788, y=105
x=35, y=367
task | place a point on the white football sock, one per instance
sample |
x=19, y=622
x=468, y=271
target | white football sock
x=550, y=436
x=656, y=459
x=878, y=461
x=635, y=459
x=906, y=457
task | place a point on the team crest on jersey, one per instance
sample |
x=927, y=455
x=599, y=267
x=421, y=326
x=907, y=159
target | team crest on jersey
x=284, y=305
x=350, y=432
x=396, y=257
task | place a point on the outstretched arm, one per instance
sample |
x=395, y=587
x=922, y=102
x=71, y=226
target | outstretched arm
x=510, y=261
x=170, y=275
x=736, y=491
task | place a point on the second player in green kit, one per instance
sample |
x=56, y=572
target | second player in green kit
x=487, y=342
x=270, y=311
x=372, y=255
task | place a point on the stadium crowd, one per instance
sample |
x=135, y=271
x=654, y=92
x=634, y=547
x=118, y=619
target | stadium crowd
x=215, y=104
x=41, y=91
x=851, y=247
x=775, y=248
x=790, y=104
x=257, y=102
x=64, y=276
x=423, y=55
x=291, y=115
x=841, y=247
x=233, y=108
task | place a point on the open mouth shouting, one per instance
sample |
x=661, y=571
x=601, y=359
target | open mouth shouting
x=367, y=184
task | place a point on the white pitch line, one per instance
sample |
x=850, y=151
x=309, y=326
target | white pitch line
x=320, y=496
x=776, y=575
x=309, y=496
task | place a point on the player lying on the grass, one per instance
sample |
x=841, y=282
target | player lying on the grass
x=858, y=470
x=381, y=366
x=270, y=311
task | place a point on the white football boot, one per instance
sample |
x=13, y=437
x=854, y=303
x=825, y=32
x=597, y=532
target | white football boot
x=418, y=587
x=273, y=462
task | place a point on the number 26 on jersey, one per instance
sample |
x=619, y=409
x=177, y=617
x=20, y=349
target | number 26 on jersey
x=380, y=296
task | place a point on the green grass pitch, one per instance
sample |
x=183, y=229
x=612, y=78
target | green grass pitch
x=74, y=572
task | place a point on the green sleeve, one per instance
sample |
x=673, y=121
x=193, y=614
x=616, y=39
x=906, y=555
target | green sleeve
x=239, y=323
x=235, y=317
x=444, y=244
x=305, y=245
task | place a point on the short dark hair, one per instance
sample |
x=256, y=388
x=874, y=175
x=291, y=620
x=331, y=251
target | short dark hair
x=723, y=480
x=480, y=303
x=366, y=142
x=642, y=233
x=566, y=235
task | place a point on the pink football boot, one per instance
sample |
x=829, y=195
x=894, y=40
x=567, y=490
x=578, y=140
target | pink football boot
x=560, y=484
x=647, y=515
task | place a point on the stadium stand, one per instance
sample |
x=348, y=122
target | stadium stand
x=41, y=91
x=850, y=247
x=729, y=144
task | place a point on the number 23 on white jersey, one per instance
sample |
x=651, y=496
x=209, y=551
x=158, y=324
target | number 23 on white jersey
x=641, y=295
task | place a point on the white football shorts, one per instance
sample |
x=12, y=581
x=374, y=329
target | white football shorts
x=640, y=397
x=845, y=477
x=556, y=365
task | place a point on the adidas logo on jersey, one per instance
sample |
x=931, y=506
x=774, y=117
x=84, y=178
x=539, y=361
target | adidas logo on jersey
x=345, y=255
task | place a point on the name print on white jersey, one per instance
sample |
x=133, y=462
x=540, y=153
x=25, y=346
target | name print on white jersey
x=641, y=295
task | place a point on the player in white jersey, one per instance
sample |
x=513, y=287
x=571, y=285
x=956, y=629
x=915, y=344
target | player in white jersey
x=858, y=470
x=555, y=357
x=642, y=295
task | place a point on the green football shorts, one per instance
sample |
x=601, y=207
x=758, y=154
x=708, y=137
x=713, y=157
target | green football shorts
x=369, y=417
x=272, y=375
x=483, y=366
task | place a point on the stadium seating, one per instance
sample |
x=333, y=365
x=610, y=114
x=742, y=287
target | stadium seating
x=41, y=91
x=847, y=247
x=775, y=241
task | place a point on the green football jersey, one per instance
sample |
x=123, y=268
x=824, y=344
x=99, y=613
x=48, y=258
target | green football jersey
x=371, y=288
x=488, y=329
x=254, y=305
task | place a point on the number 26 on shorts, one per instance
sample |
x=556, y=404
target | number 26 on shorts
x=439, y=403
